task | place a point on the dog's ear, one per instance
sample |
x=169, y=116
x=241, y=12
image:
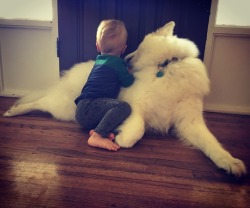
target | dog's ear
x=166, y=30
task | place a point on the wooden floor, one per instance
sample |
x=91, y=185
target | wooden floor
x=47, y=163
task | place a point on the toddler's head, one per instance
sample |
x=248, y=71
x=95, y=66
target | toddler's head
x=111, y=37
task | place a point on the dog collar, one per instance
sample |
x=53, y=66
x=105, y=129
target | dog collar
x=161, y=67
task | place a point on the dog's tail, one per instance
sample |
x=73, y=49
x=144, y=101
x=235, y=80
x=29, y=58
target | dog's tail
x=31, y=97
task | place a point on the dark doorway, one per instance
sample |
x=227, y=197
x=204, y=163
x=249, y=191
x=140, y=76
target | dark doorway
x=78, y=21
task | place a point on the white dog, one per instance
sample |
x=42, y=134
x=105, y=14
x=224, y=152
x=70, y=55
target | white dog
x=168, y=92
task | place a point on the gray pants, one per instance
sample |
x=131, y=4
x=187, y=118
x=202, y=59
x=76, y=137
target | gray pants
x=102, y=114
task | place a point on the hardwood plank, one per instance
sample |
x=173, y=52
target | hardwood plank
x=47, y=163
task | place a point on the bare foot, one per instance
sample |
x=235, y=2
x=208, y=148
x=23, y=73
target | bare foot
x=111, y=136
x=97, y=141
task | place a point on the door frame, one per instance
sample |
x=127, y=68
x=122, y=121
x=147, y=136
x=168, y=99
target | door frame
x=214, y=34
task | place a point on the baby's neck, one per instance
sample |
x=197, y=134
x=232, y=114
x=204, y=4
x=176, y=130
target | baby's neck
x=111, y=54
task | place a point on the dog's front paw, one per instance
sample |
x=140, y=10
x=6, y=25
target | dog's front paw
x=124, y=142
x=131, y=131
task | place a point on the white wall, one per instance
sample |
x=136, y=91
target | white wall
x=26, y=9
x=233, y=12
x=28, y=59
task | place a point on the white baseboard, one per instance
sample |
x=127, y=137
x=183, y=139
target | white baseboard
x=13, y=93
x=242, y=110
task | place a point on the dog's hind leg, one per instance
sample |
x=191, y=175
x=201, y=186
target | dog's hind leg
x=194, y=131
x=22, y=109
x=131, y=131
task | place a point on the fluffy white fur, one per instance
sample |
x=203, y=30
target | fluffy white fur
x=158, y=103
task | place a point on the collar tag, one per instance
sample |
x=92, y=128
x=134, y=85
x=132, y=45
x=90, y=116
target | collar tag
x=161, y=67
x=159, y=73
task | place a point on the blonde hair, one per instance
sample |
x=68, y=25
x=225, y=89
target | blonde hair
x=111, y=36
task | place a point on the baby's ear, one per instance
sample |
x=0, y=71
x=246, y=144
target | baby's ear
x=97, y=47
x=124, y=49
x=166, y=30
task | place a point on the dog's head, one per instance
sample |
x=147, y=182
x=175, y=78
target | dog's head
x=159, y=46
